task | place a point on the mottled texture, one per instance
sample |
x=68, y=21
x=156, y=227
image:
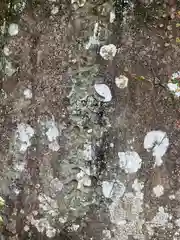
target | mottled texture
x=89, y=125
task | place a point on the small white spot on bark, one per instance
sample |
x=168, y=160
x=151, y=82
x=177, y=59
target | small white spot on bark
x=37, y=186
x=13, y=29
x=16, y=191
x=54, y=10
x=174, y=86
x=104, y=91
x=158, y=190
x=107, y=188
x=112, y=189
x=74, y=227
x=112, y=16
x=106, y=234
x=108, y=52
x=171, y=197
x=94, y=40
x=89, y=130
x=83, y=178
x=35, y=213
x=48, y=204
x=129, y=161
x=27, y=93
x=137, y=186
x=52, y=134
x=86, y=181
x=54, y=146
x=20, y=166
x=22, y=211
x=6, y=51
x=177, y=222
x=42, y=225
x=50, y=232
x=23, y=135
x=62, y=220
x=176, y=75
x=121, y=81
x=111, y=145
x=87, y=152
x=161, y=218
x=157, y=142
x=26, y=228
x=56, y=185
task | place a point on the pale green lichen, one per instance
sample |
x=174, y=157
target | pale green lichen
x=83, y=137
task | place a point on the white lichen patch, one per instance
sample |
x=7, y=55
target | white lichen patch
x=112, y=16
x=27, y=93
x=83, y=179
x=62, y=219
x=87, y=152
x=56, y=185
x=177, y=222
x=13, y=29
x=161, y=219
x=174, y=87
x=137, y=186
x=125, y=213
x=47, y=204
x=42, y=225
x=176, y=235
x=50, y=232
x=158, y=190
x=157, y=142
x=54, y=10
x=108, y=52
x=174, y=84
x=52, y=133
x=113, y=189
x=121, y=81
x=129, y=161
x=107, y=188
x=172, y=197
x=6, y=51
x=132, y=228
x=94, y=40
x=130, y=143
x=104, y=91
x=23, y=135
x=26, y=228
x=74, y=227
x=106, y=234
x=19, y=166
